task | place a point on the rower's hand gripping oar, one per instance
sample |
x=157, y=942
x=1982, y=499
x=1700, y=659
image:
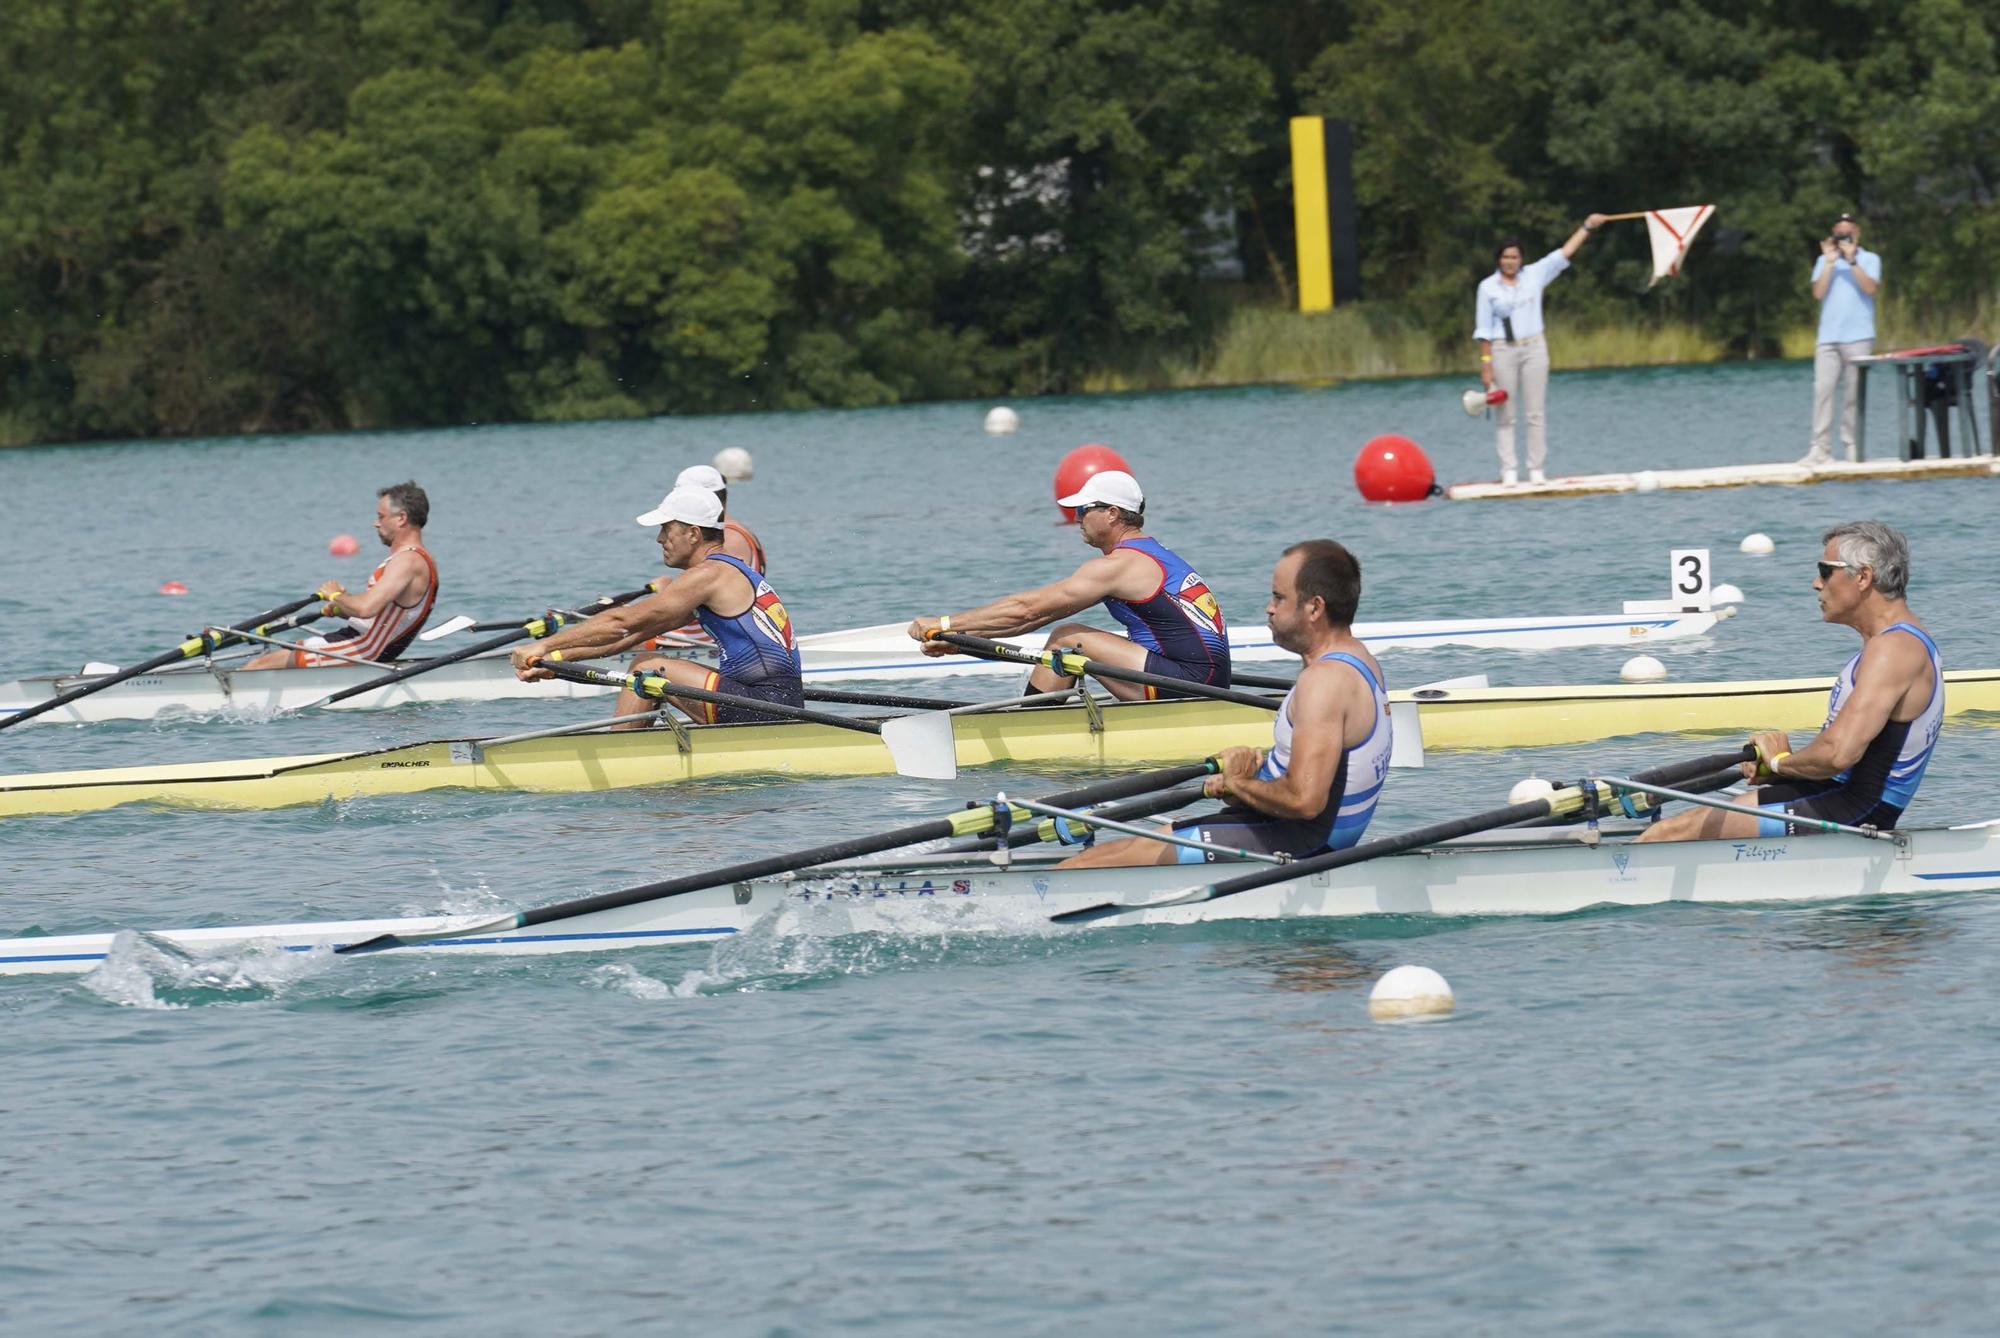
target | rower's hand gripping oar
x=533, y=627
x=204, y=642
x=972, y=820
x=1567, y=799
x=1072, y=664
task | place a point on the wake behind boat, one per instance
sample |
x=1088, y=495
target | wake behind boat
x=881, y=653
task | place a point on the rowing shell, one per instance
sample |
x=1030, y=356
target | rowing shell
x=1103, y=734
x=880, y=653
x=1546, y=872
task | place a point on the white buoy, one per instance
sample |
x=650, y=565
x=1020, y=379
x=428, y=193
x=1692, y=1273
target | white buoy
x=1646, y=481
x=1002, y=421
x=1757, y=545
x=1528, y=789
x=734, y=463
x=1642, y=669
x=1725, y=594
x=1410, y=991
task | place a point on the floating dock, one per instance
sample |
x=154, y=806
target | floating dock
x=1730, y=476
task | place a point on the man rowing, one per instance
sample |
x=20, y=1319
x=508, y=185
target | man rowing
x=733, y=602
x=386, y=616
x=1882, y=718
x=1316, y=788
x=1175, y=622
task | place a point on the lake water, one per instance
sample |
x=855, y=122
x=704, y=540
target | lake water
x=1671, y=1120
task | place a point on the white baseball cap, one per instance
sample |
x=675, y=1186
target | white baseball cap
x=701, y=476
x=690, y=506
x=1115, y=486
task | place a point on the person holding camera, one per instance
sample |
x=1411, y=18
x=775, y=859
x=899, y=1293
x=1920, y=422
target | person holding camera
x=1845, y=280
x=1507, y=323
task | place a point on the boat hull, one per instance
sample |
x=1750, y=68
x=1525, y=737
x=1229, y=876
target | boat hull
x=1547, y=872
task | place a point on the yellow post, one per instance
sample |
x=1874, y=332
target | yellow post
x=1309, y=213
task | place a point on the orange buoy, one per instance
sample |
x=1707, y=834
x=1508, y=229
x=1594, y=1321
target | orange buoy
x=343, y=545
x=1079, y=465
x=173, y=588
x=1393, y=468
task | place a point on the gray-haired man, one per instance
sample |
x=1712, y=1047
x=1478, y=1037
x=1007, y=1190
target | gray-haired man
x=1882, y=718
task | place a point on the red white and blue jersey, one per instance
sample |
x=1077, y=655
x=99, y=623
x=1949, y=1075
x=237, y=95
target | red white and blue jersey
x=1181, y=620
x=756, y=646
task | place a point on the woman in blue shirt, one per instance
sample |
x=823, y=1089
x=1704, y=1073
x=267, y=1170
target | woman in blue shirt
x=1507, y=322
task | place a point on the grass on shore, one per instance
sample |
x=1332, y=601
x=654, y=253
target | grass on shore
x=1264, y=345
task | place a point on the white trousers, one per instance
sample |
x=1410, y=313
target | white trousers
x=1829, y=361
x=1522, y=370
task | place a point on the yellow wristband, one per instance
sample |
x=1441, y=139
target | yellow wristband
x=553, y=655
x=944, y=623
x=1772, y=765
x=1486, y=357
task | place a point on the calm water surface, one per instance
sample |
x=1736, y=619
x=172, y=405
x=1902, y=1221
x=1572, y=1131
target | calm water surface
x=1663, y=1121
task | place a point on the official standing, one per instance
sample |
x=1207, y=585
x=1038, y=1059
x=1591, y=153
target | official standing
x=1845, y=280
x=1507, y=322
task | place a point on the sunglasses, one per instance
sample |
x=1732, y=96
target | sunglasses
x=1827, y=569
x=1089, y=507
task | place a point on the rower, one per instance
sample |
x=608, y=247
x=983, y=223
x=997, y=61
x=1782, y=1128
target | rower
x=734, y=604
x=1316, y=788
x=1175, y=622
x=1882, y=718
x=385, y=617
x=737, y=540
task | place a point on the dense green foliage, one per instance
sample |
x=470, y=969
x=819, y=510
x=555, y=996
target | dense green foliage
x=269, y=214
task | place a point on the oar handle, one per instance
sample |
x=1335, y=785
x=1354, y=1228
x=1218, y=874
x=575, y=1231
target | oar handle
x=204, y=642
x=1071, y=664
x=659, y=687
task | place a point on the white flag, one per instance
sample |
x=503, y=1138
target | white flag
x=1672, y=230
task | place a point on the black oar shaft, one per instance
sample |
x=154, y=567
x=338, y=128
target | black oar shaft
x=657, y=686
x=1070, y=664
x=891, y=700
x=1467, y=826
x=201, y=643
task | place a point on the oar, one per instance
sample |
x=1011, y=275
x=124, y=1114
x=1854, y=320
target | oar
x=1567, y=799
x=921, y=758
x=533, y=627
x=965, y=822
x=1070, y=664
x=461, y=623
x=206, y=641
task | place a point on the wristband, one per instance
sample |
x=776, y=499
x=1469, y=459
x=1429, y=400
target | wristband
x=1486, y=357
x=553, y=655
x=1772, y=765
x=944, y=623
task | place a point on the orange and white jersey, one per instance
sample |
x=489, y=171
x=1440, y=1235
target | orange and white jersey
x=388, y=633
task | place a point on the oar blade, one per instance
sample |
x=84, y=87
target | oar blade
x=1084, y=915
x=922, y=745
x=449, y=627
x=467, y=926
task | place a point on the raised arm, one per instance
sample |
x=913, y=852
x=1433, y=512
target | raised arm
x=1581, y=235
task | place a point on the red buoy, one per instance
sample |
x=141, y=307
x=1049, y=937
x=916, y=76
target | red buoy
x=343, y=545
x=173, y=588
x=1394, y=469
x=1079, y=465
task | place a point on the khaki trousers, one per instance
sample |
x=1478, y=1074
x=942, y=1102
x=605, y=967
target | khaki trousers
x=1522, y=370
x=1829, y=361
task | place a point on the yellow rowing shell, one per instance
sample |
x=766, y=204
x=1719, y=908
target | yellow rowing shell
x=1125, y=733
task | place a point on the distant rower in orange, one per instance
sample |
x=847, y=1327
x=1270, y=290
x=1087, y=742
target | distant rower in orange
x=384, y=618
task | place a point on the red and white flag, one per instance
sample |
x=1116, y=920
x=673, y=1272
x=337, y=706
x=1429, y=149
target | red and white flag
x=1672, y=230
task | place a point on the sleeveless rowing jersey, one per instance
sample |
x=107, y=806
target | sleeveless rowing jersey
x=390, y=632
x=757, y=646
x=1357, y=781
x=1180, y=620
x=757, y=559
x=1894, y=761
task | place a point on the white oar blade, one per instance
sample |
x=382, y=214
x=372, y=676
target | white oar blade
x=445, y=629
x=922, y=745
x=464, y=926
